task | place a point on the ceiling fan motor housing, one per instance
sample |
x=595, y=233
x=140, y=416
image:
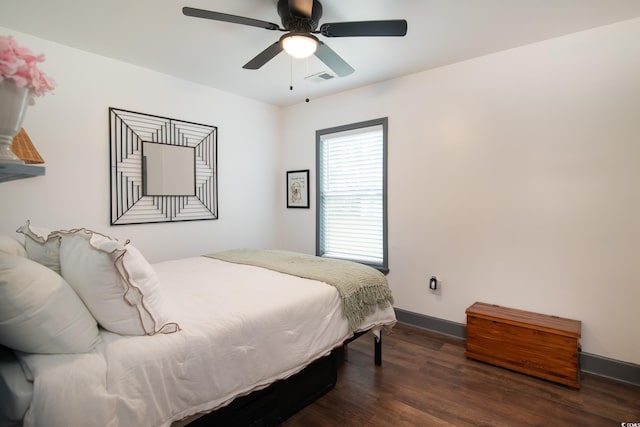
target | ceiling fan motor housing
x=299, y=23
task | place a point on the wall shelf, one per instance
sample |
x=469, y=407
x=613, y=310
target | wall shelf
x=10, y=171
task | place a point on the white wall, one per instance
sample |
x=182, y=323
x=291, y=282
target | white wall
x=70, y=130
x=514, y=178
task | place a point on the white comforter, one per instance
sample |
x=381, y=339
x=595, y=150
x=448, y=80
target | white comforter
x=243, y=328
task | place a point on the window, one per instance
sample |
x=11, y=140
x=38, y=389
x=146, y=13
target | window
x=351, y=167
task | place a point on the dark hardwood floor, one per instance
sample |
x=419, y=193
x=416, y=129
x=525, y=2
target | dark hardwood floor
x=425, y=380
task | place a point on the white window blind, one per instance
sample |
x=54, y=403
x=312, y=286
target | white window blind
x=351, y=199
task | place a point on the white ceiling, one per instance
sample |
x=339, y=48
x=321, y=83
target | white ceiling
x=156, y=35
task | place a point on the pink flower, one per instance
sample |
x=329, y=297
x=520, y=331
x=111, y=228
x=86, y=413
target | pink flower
x=21, y=65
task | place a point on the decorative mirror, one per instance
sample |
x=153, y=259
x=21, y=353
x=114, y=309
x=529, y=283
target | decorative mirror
x=162, y=169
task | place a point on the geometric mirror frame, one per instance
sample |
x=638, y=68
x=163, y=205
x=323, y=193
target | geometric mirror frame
x=191, y=188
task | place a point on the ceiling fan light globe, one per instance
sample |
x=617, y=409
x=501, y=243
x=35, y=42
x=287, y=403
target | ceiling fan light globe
x=299, y=45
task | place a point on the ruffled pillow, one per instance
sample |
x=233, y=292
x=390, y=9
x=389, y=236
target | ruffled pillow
x=117, y=284
x=42, y=245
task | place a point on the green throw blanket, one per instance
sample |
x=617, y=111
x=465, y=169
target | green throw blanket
x=362, y=288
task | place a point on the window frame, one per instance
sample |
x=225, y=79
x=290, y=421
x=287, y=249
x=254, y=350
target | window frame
x=384, y=267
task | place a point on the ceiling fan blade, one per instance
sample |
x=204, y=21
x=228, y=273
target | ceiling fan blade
x=301, y=7
x=397, y=28
x=333, y=60
x=217, y=16
x=263, y=57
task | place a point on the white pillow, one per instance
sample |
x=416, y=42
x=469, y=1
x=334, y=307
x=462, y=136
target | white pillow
x=116, y=282
x=39, y=312
x=10, y=246
x=43, y=245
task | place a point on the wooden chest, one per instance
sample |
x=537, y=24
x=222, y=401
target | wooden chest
x=535, y=344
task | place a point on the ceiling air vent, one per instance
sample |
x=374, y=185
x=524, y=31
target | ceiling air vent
x=320, y=77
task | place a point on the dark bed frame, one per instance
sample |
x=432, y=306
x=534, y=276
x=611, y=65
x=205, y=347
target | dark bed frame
x=274, y=404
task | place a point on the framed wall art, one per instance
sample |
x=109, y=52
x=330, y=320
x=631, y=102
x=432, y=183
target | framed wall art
x=162, y=169
x=298, y=189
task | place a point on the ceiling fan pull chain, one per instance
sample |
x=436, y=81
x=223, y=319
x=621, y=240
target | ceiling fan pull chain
x=290, y=73
x=306, y=85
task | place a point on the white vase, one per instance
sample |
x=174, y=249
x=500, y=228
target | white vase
x=13, y=104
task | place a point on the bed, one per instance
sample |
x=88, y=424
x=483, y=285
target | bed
x=225, y=329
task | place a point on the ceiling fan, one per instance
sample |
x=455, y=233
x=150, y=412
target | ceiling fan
x=300, y=19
